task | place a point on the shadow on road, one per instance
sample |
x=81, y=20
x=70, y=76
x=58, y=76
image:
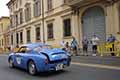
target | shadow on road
x=40, y=74
x=50, y=74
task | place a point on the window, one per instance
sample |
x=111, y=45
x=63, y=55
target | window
x=12, y=39
x=21, y=17
x=20, y=3
x=2, y=42
x=49, y=4
x=24, y=49
x=37, y=8
x=1, y=27
x=16, y=4
x=11, y=21
x=21, y=37
x=50, y=31
x=7, y=40
x=39, y=48
x=17, y=38
x=37, y=33
x=28, y=12
x=119, y=18
x=11, y=8
x=28, y=36
x=64, y=1
x=16, y=18
x=67, y=27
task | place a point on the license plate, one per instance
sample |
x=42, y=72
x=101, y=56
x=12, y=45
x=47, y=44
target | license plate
x=59, y=67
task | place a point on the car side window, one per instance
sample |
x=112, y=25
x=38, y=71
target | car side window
x=22, y=50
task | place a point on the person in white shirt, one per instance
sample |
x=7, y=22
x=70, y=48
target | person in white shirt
x=95, y=41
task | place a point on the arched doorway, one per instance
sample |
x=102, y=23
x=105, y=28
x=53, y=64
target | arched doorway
x=94, y=23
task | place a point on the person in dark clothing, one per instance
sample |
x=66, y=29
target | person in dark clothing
x=17, y=46
x=85, y=46
x=111, y=40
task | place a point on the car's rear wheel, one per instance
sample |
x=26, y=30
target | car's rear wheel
x=11, y=63
x=32, y=68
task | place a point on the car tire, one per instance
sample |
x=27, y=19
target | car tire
x=32, y=68
x=11, y=63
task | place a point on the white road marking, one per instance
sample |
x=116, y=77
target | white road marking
x=97, y=66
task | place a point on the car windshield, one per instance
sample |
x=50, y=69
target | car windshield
x=39, y=48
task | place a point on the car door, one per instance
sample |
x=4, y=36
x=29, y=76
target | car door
x=19, y=57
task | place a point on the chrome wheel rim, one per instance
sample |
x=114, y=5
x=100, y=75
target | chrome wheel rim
x=32, y=69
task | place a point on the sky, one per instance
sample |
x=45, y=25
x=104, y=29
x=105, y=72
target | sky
x=4, y=11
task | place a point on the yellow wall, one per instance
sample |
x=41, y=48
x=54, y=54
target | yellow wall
x=4, y=24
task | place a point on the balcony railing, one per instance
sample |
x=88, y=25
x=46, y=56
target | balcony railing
x=74, y=2
x=80, y=2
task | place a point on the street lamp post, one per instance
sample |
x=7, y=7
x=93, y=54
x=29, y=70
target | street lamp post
x=43, y=21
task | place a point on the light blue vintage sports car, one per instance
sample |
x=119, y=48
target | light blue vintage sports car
x=39, y=57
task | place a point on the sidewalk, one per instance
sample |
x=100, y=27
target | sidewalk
x=109, y=61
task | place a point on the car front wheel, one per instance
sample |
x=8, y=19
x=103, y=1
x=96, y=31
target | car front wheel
x=32, y=68
x=11, y=63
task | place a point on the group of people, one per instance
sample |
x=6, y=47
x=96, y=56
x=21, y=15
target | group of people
x=73, y=46
x=94, y=41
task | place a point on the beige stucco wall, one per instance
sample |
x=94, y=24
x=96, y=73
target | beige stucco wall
x=60, y=12
x=112, y=20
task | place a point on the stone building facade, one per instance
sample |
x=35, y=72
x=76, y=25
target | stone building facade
x=52, y=21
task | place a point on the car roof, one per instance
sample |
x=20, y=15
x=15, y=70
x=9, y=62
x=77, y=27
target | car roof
x=34, y=45
x=55, y=50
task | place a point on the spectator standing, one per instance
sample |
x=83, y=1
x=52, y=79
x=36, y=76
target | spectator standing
x=74, y=46
x=95, y=41
x=85, y=43
x=111, y=39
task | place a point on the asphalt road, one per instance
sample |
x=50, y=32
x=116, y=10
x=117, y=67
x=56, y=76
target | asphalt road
x=75, y=72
